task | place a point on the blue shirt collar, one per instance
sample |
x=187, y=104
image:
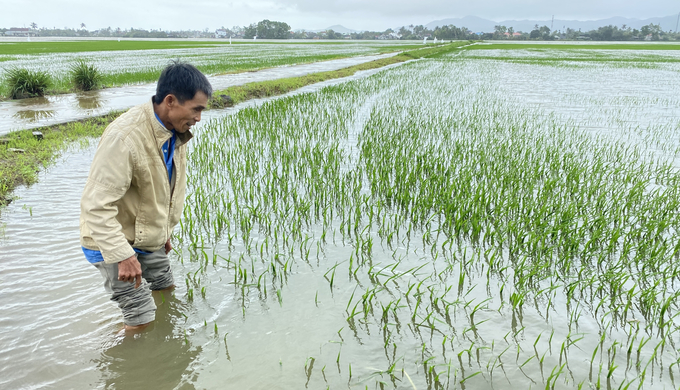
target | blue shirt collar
x=162, y=124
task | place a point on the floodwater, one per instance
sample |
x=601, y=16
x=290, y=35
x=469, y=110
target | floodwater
x=56, y=326
x=51, y=110
x=59, y=330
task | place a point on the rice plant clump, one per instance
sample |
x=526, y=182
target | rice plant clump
x=85, y=77
x=23, y=83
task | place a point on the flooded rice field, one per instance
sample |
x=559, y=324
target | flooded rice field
x=238, y=56
x=453, y=223
x=50, y=110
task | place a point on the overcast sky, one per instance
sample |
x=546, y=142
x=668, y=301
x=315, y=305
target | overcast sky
x=308, y=14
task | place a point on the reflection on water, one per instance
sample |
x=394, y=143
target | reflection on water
x=34, y=115
x=36, y=101
x=159, y=357
x=89, y=100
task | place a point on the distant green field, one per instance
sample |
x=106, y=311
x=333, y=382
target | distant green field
x=11, y=48
x=636, y=55
x=576, y=46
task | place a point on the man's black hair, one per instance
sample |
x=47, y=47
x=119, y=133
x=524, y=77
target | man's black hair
x=182, y=80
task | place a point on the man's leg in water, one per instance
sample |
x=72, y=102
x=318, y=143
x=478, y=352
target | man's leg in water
x=136, y=304
x=156, y=270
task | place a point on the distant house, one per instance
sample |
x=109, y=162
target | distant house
x=221, y=33
x=20, y=32
x=648, y=37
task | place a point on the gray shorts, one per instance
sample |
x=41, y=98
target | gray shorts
x=137, y=303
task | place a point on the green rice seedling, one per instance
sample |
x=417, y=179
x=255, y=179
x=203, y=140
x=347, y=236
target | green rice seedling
x=519, y=199
x=85, y=76
x=24, y=83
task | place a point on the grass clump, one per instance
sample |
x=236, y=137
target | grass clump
x=23, y=83
x=85, y=76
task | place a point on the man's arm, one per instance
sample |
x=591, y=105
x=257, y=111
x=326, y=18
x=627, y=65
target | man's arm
x=108, y=181
x=168, y=246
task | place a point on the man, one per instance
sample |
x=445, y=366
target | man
x=135, y=192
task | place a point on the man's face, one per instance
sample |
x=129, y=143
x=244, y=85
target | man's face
x=184, y=115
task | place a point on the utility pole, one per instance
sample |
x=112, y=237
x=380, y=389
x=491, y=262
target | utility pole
x=676, y=23
x=551, y=22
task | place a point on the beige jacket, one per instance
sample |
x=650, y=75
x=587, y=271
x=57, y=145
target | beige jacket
x=127, y=201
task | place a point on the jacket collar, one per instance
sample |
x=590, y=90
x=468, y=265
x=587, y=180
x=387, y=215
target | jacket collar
x=162, y=134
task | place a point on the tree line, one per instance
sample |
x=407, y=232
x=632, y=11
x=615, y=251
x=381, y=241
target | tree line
x=115, y=32
x=268, y=29
x=650, y=32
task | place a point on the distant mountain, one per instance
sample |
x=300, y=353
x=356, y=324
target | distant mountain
x=474, y=23
x=477, y=24
x=341, y=29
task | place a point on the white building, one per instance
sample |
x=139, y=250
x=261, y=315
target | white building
x=20, y=32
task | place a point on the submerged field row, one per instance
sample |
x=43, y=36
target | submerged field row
x=420, y=227
x=139, y=66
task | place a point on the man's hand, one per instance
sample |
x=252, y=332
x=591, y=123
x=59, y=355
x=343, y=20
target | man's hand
x=168, y=247
x=129, y=270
